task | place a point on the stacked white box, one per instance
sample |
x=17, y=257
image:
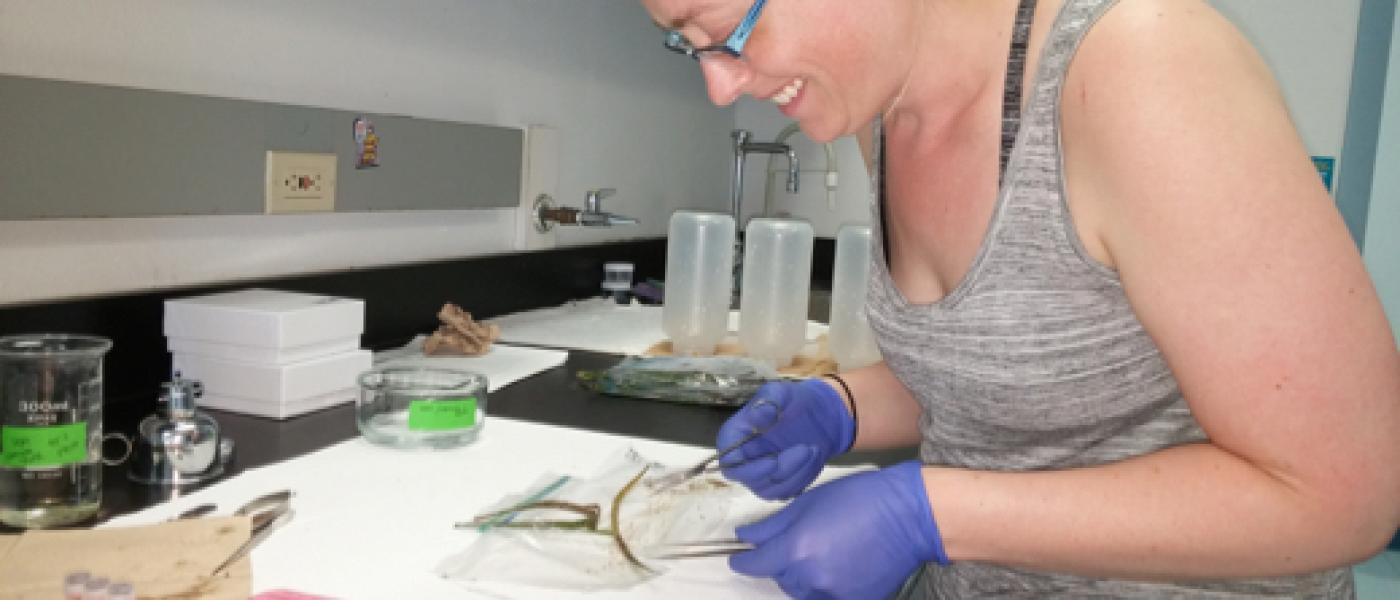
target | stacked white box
x=267, y=352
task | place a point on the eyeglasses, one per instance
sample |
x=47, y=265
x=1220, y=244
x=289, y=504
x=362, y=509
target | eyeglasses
x=733, y=46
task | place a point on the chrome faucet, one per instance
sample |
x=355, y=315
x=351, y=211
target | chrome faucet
x=743, y=147
x=593, y=215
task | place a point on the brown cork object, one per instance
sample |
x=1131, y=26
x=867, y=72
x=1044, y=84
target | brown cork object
x=460, y=335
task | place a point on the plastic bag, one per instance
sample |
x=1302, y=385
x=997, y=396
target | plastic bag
x=551, y=544
x=714, y=380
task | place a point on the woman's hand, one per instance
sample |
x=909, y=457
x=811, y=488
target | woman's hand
x=856, y=537
x=804, y=423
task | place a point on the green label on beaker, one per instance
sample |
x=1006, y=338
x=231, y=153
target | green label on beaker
x=55, y=445
x=441, y=414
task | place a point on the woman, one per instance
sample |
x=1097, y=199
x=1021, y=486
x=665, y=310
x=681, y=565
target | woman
x=1139, y=352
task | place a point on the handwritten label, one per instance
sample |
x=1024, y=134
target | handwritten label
x=23, y=447
x=441, y=414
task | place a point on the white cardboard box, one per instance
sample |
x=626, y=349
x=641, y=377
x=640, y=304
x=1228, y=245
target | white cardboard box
x=265, y=355
x=285, y=384
x=278, y=410
x=264, y=318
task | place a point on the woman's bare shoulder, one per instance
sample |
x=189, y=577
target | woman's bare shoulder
x=1156, y=88
x=1170, y=43
x=1158, y=79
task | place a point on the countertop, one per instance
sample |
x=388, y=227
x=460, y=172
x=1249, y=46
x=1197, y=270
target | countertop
x=550, y=397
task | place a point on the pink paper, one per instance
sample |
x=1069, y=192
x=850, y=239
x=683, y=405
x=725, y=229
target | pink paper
x=288, y=595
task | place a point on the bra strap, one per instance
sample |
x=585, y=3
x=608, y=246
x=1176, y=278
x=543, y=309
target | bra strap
x=1015, y=74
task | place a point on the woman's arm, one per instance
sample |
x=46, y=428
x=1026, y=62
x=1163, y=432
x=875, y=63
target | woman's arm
x=888, y=415
x=1236, y=261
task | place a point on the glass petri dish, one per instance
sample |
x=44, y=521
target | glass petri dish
x=421, y=407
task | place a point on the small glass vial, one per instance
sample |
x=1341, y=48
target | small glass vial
x=421, y=407
x=75, y=585
x=617, y=281
x=96, y=589
x=121, y=590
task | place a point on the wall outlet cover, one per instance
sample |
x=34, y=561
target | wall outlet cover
x=299, y=182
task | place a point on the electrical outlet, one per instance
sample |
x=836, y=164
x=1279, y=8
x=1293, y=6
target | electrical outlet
x=299, y=182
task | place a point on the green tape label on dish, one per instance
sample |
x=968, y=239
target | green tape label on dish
x=441, y=414
x=22, y=447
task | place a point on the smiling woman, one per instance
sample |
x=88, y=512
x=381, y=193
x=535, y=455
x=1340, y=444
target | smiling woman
x=1127, y=375
x=791, y=50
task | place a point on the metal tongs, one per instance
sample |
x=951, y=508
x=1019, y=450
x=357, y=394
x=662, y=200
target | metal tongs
x=266, y=512
x=669, y=480
x=700, y=549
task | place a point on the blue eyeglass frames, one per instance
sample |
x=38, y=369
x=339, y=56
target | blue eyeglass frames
x=732, y=46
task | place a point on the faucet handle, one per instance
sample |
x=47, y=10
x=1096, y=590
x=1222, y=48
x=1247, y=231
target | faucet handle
x=593, y=201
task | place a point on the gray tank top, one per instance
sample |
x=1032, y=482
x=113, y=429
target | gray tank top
x=1036, y=361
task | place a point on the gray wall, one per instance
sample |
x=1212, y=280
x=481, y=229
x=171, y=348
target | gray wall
x=142, y=152
x=628, y=114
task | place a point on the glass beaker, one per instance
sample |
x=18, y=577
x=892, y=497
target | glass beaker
x=421, y=407
x=773, y=298
x=699, y=280
x=852, y=343
x=50, y=428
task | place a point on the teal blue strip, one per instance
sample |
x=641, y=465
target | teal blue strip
x=536, y=497
x=1364, y=110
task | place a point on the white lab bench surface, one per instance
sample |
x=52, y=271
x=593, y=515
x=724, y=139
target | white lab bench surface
x=372, y=522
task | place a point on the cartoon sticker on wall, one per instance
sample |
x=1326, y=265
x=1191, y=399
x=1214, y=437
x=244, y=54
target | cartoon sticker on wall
x=366, y=144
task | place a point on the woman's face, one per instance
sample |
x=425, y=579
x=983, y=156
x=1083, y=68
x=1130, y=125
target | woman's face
x=824, y=63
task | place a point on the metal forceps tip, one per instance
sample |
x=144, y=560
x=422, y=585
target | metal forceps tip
x=670, y=480
x=701, y=549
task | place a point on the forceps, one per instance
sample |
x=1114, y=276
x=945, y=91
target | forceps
x=266, y=512
x=671, y=480
x=701, y=549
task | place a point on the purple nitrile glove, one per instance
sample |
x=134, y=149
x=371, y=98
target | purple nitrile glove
x=856, y=537
x=804, y=423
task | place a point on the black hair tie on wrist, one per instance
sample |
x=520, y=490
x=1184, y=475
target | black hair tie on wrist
x=851, y=401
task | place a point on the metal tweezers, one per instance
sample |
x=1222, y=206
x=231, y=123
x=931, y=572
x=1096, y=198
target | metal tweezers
x=701, y=549
x=670, y=480
x=266, y=512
